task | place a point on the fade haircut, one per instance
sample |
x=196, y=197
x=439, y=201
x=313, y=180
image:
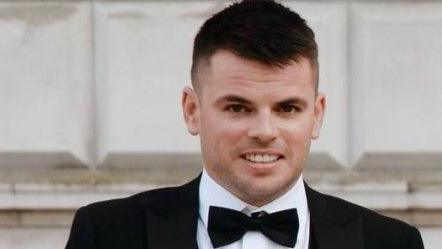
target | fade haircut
x=258, y=30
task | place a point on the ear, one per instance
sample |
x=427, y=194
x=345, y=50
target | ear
x=320, y=104
x=191, y=110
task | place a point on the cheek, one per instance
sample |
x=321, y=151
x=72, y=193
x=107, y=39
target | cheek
x=297, y=137
x=218, y=132
x=224, y=129
x=223, y=139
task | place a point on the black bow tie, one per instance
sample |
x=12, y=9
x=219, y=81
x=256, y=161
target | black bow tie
x=227, y=226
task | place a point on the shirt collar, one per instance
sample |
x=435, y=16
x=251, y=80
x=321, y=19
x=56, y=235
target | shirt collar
x=294, y=198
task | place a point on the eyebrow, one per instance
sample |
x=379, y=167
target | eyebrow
x=238, y=99
x=294, y=100
x=233, y=98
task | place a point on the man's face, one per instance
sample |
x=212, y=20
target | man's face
x=255, y=123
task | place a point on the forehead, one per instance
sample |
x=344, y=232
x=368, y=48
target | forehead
x=227, y=72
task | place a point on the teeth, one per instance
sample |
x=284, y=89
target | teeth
x=266, y=158
x=261, y=158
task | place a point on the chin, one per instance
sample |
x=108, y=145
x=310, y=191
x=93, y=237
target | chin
x=262, y=197
x=265, y=190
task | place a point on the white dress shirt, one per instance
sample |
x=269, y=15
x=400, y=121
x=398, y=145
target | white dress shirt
x=212, y=194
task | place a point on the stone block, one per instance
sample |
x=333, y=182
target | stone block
x=46, y=84
x=395, y=86
x=6, y=199
x=27, y=238
x=143, y=52
x=46, y=196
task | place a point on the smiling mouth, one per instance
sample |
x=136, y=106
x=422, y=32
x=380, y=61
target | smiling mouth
x=261, y=158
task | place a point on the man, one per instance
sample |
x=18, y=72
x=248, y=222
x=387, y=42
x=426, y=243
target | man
x=255, y=106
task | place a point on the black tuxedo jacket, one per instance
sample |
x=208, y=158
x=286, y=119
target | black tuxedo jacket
x=167, y=219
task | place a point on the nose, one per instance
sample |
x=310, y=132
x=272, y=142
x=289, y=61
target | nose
x=262, y=128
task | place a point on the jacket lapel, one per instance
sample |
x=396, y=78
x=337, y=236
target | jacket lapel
x=333, y=228
x=172, y=219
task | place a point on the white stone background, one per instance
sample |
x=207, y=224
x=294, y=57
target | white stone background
x=95, y=85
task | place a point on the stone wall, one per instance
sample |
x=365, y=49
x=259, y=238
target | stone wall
x=90, y=107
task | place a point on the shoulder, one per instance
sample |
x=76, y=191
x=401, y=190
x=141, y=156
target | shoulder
x=370, y=217
x=379, y=231
x=117, y=223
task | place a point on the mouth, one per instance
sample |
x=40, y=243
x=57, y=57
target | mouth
x=261, y=157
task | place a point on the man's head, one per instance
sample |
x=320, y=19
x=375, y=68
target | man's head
x=255, y=105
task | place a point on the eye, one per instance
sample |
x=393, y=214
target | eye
x=236, y=108
x=289, y=108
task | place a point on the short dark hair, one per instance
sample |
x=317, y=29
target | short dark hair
x=259, y=30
